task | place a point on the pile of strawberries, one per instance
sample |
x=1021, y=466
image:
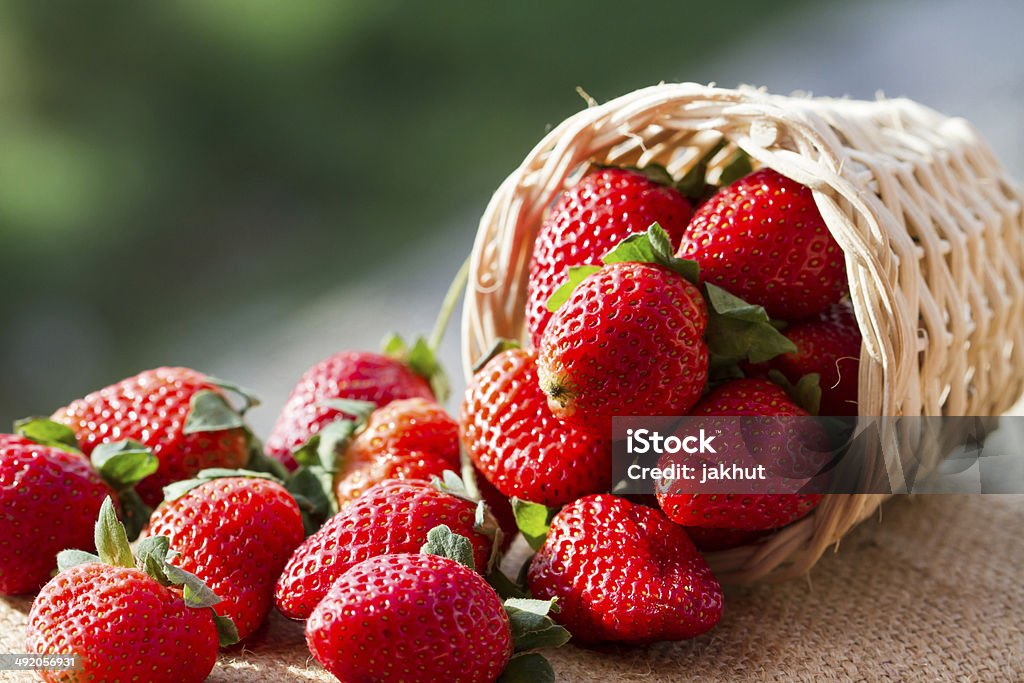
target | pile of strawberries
x=156, y=528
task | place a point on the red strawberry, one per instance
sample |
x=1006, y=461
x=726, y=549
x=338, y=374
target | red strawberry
x=624, y=572
x=156, y=408
x=126, y=624
x=411, y=617
x=763, y=239
x=627, y=342
x=49, y=500
x=588, y=220
x=787, y=448
x=830, y=346
x=236, y=534
x=353, y=375
x=517, y=444
x=392, y=517
x=407, y=439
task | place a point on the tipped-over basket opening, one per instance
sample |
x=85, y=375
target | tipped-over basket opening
x=930, y=224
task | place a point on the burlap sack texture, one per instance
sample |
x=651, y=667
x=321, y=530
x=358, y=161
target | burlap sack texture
x=929, y=221
x=932, y=594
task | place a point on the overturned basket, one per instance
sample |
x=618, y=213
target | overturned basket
x=930, y=224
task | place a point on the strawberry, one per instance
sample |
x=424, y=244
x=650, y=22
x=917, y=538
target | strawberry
x=828, y=345
x=391, y=517
x=787, y=448
x=450, y=624
x=604, y=208
x=406, y=439
x=624, y=572
x=352, y=375
x=236, y=533
x=181, y=415
x=763, y=239
x=125, y=623
x=628, y=341
x=411, y=617
x=519, y=447
x=49, y=500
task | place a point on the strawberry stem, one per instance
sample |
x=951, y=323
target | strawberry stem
x=448, y=306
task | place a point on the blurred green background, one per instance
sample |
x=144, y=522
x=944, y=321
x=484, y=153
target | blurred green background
x=246, y=186
x=163, y=164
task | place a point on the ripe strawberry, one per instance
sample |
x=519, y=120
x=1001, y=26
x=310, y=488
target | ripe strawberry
x=353, y=375
x=789, y=449
x=236, y=534
x=411, y=617
x=406, y=439
x=49, y=499
x=624, y=572
x=604, y=208
x=763, y=239
x=163, y=409
x=126, y=624
x=511, y=436
x=828, y=345
x=627, y=342
x=391, y=517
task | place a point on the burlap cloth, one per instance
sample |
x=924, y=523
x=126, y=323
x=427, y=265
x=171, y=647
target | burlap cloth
x=932, y=593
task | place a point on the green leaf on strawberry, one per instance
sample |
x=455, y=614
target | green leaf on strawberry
x=653, y=246
x=123, y=464
x=532, y=626
x=533, y=520
x=196, y=593
x=66, y=559
x=738, y=330
x=227, y=632
x=444, y=542
x=422, y=359
x=111, y=539
x=527, y=668
x=249, y=399
x=806, y=393
x=576, y=275
x=211, y=412
x=46, y=432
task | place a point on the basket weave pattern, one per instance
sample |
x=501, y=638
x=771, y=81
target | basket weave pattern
x=930, y=224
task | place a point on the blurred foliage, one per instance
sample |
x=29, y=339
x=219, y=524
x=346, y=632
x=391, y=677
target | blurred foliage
x=164, y=163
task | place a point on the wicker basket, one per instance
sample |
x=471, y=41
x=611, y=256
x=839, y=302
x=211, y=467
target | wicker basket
x=930, y=224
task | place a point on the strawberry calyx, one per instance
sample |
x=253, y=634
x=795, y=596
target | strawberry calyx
x=320, y=459
x=484, y=521
x=152, y=557
x=532, y=629
x=121, y=465
x=739, y=331
x=806, y=393
x=46, y=432
x=211, y=411
x=653, y=246
x=529, y=620
x=533, y=521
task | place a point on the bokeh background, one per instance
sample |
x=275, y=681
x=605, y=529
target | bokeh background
x=246, y=186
